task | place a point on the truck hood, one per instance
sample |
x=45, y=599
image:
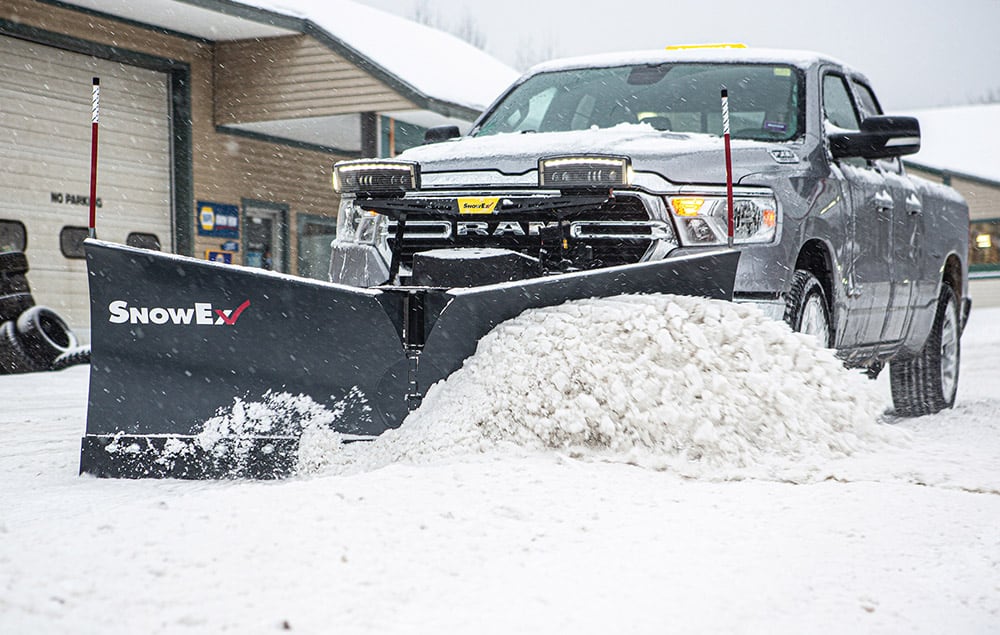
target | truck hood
x=681, y=158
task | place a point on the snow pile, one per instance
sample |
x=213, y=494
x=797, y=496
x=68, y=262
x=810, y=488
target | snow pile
x=232, y=437
x=699, y=386
x=278, y=414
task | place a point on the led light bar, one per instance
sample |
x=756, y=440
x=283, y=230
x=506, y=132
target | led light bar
x=585, y=172
x=382, y=177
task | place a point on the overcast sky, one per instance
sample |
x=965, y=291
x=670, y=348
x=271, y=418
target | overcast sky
x=917, y=54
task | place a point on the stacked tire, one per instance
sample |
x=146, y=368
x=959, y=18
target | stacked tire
x=32, y=338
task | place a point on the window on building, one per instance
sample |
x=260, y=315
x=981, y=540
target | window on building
x=399, y=135
x=984, y=245
x=13, y=236
x=71, y=241
x=315, y=233
x=143, y=241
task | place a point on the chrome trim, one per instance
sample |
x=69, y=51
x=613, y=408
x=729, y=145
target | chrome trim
x=444, y=229
x=658, y=229
x=720, y=190
x=662, y=236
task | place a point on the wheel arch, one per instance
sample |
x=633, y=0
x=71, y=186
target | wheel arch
x=953, y=276
x=815, y=257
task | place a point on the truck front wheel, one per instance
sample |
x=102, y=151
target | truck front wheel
x=927, y=383
x=806, y=310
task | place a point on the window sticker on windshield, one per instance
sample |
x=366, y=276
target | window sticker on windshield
x=775, y=126
x=783, y=72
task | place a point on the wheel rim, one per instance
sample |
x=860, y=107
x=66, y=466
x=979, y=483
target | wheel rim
x=949, y=352
x=814, y=320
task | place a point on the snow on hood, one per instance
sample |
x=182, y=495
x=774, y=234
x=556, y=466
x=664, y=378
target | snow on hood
x=678, y=157
x=435, y=63
x=701, y=387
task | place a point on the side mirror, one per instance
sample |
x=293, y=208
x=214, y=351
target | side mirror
x=880, y=137
x=441, y=133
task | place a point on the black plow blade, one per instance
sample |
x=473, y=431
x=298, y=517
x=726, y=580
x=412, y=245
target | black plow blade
x=185, y=352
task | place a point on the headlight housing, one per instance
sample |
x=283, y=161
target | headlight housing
x=585, y=172
x=702, y=220
x=358, y=225
x=376, y=177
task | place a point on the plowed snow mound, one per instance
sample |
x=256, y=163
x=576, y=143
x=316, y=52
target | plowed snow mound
x=667, y=381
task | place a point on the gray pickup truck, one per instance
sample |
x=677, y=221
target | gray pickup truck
x=834, y=236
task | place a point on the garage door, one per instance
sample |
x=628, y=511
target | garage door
x=45, y=124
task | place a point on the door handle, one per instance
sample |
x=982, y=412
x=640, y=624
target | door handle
x=913, y=205
x=883, y=201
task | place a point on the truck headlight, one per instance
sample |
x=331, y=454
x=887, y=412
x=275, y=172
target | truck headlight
x=358, y=225
x=702, y=220
x=376, y=177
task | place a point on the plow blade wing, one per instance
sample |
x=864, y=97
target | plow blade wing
x=175, y=340
x=472, y=313
x=179, y=343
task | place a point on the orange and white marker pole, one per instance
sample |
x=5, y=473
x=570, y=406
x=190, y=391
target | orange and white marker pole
x=95, y=120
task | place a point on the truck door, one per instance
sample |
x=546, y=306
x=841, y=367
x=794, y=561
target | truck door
x=906, y=234
x=867, y=266
x=906, y=229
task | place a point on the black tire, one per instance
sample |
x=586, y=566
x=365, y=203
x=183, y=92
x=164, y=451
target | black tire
x=44, y=335
x=79, y=355
x=15, y=295
x=806, y=308
x=928, y=382
x=13, y=262
x=13, y=358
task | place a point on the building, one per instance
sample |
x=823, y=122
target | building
x=219, y=124
x=958, y=147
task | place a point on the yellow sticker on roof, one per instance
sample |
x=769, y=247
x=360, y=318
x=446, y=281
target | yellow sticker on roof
x=478, y=204
x=724, y=45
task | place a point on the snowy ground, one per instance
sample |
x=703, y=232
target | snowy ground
x=899, y=534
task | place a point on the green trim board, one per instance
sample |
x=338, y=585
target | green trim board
x=291, y=143
x=944, y=174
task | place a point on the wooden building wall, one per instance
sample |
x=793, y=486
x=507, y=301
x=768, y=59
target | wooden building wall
x=293, y=76
x=226, y=168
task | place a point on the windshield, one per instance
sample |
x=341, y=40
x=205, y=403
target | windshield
x=765, y=100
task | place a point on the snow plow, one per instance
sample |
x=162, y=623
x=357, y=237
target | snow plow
x=176, y=340
x=590, y=177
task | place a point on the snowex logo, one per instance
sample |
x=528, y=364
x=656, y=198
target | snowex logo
x=202, y=313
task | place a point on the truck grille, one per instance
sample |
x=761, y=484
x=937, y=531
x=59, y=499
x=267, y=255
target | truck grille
x=616, y=233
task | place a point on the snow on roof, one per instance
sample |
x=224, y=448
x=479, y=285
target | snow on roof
x=960, y=139
x=801, y=59
x=435, y=64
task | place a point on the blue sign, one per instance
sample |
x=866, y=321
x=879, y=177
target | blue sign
x=231, y=245
x=219, y=256
x=217, y=220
